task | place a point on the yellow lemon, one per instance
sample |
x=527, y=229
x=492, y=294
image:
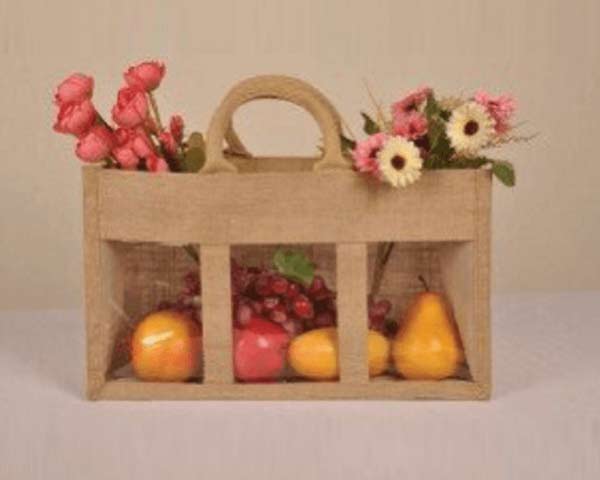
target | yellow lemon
x=379, y=353
x=314, y=354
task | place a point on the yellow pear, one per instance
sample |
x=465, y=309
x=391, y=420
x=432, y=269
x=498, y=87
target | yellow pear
x=427, y=345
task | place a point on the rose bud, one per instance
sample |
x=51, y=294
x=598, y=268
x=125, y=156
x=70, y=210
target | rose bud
x=142, y=146
x=96, y=144
x=156, y=164
x=123, y=136
x=131, y=108
x=74, y=89
x=168, y=143
x=126, y=158
x=75, y=118
x=176, y=127
x=146, y=76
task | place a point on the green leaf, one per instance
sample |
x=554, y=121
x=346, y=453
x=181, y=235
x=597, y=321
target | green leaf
x=468, y=162
x=195, y=155
x=294, y=265
x=370, y=126
x=439, y=144
x=445, y=115
x=432, y=107
x=348, y=144
x=505, y=172
x=440, y=149
x=196, y=140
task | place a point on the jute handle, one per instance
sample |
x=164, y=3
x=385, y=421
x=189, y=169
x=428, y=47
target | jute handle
x=234, y=144
x=280, y=88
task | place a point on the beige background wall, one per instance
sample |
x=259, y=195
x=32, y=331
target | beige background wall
x=546, y=231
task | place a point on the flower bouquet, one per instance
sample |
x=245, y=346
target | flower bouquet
x=424, y=132
x=138, y=140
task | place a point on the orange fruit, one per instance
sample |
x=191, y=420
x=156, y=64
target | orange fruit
x=166, y=347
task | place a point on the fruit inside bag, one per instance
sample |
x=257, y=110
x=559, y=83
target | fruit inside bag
x=273, y=306
x=284, y=322
x=159, y=333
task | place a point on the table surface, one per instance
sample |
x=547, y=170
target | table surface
x=542, y=422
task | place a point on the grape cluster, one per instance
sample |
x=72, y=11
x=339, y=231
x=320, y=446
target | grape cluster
x=188, y=301
x=378, y=312
x=264, y=293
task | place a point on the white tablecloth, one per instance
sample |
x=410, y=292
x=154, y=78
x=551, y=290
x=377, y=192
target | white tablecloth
x=543, y=420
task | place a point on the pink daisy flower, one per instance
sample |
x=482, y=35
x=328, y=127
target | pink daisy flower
x=410, y=125
x=365, y=154
x=411, y=102
x=500, y=108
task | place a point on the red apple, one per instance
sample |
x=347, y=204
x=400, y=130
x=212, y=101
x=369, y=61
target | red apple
x=259, y=350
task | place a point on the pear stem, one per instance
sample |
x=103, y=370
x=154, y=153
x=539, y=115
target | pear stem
x=424, y=283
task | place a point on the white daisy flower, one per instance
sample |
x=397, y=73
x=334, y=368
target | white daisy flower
x=470, y=128
x=400, y=162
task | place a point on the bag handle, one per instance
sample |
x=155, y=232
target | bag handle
x=276, y=87
x=234, y=144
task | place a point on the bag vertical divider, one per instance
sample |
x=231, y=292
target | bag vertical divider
x=215, y=277
x=351, y=285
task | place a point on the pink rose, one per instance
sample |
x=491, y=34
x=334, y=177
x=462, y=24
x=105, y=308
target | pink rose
x=145, y=76
x=132, y=146
x=142, y=145
x=123, y=136
x=75, y=88
x=131, y=108
x=123, y=152
x=157, y=164
x=126, y=158
x=75, y=118
x=500, y=108
x=411, y=125
x=95, y=145
x=168, y=142
x=176, y=127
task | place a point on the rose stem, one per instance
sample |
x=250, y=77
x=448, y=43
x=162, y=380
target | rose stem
x=154, y=107
x=103, y=122
x=191, y=251
x=423, y=282
x=384, y=250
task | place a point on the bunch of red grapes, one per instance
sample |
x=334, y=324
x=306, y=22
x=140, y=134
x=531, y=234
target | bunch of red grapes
x=267, y=294
x=264, y=293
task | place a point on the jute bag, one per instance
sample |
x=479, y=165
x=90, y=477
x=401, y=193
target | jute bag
x=243, y=206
